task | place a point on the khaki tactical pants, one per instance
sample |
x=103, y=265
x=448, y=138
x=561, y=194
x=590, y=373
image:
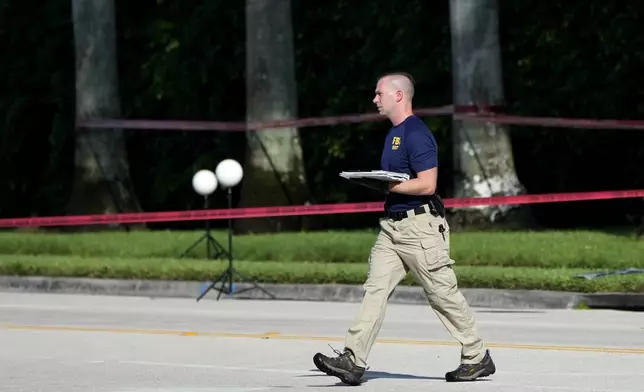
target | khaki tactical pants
x=414, y=244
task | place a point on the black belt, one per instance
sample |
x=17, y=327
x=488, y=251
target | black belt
x=434, y=204
x=404, y=214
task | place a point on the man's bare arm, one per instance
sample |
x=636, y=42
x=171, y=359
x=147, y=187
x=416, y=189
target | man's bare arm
x=424, y=184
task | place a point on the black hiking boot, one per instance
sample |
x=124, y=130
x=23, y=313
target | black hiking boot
x=342, y=367
x=470, y=372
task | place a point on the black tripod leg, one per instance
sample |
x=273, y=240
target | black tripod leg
x=223, y=284
x=218, y=250
x=192, y=246
x=212, y=285
x=254, y=284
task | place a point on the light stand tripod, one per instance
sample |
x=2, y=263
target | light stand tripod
x=227, y=276
x=210, y=240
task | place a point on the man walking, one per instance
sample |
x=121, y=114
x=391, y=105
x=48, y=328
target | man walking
x=413, y=237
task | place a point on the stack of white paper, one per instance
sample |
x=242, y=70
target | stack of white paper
x=381, y=175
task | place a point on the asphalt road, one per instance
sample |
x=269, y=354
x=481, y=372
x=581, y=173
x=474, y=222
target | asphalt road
x=120, y=344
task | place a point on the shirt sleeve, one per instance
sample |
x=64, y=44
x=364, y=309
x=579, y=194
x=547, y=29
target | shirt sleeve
x=422, y=150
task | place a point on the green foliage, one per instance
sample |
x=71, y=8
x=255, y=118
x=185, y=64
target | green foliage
x=183, y=60
x=186, y=60
x=576, y=59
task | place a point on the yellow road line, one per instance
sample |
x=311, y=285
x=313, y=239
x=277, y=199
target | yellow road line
x=277, y=335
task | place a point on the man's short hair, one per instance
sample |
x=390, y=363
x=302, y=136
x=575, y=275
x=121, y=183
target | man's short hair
x=406, y=75
x=399, y=73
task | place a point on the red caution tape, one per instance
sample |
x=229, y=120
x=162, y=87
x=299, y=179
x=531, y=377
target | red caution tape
x=580, y=123
x=320, y=209
x=471, y=113
x=242, y=126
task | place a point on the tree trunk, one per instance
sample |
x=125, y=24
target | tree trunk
x=101, y=177
x=483, y=158
x=273, y=170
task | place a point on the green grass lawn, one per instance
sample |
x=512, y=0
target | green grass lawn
x=551, y=249
x=512, y=260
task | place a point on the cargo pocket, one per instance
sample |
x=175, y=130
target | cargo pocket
x=435, y=251
x=429, y=249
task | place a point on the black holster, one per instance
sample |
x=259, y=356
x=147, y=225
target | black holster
x=436, y=205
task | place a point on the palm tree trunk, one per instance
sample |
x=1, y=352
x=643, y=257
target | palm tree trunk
x=274, y=170
x=483, y=158
x=101, y=176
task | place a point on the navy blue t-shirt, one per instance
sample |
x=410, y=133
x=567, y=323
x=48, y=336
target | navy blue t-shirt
x=410, y=147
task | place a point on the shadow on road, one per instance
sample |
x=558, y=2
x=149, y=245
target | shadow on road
x=372, y=375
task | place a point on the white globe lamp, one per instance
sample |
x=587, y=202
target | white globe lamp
x=204, y=182
x=229, y=173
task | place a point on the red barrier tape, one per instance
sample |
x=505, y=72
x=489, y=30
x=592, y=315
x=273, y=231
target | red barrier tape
x=242, y=126
x=470, y=113
x=320, y=209
x=552, y=121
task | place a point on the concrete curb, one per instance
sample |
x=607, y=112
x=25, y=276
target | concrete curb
x=491, y=298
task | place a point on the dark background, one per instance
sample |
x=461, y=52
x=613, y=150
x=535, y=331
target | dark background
x=570, y=59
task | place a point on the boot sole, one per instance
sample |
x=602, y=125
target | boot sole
x=343, y=375
x=479, y=374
